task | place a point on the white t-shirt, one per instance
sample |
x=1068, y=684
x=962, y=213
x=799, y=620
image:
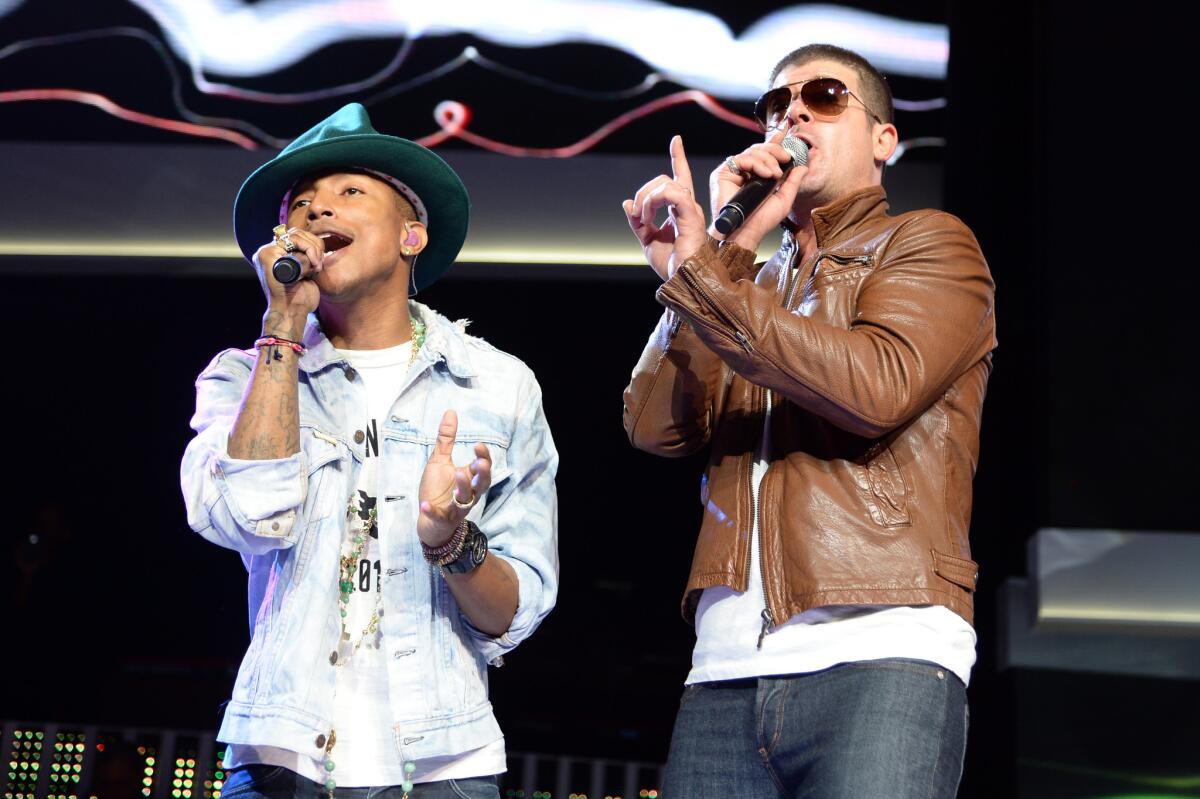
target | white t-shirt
x=728, y=625
x=365, y=753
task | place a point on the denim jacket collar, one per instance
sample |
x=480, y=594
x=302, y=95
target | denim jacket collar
x=444, y=341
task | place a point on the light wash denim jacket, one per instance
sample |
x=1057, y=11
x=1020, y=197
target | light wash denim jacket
x=287, y=517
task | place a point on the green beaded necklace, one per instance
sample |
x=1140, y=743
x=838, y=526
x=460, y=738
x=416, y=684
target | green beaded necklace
x=362, y=519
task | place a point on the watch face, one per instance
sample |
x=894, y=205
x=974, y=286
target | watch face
x=479, y=544
x=474, y=551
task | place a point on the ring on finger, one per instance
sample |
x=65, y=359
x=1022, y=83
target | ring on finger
x=285, y=241
x=732, y=166
x=463, y=505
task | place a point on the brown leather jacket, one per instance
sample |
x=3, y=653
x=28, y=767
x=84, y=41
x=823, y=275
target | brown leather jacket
x=874, y=355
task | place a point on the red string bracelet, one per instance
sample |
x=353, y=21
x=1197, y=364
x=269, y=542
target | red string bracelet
x=275, y=343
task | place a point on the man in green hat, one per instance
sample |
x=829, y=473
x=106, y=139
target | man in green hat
x=387, y=479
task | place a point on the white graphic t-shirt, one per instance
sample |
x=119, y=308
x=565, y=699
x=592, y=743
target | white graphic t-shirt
x=365, y=753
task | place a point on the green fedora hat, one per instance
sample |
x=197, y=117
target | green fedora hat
x=346, y=139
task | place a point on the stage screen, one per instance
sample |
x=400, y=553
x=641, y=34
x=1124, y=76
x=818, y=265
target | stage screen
x=552, y=111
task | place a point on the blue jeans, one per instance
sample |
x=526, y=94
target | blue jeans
x=876, y=729
x=276, y=782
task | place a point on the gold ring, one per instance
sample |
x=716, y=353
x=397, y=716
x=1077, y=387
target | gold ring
x=464, y=505
x=281, y=236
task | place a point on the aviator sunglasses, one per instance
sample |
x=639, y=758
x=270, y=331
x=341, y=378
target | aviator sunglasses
x=826, y=98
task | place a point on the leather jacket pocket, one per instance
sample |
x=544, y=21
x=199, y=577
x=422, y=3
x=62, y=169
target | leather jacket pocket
x=887, y=492
x=960, y=571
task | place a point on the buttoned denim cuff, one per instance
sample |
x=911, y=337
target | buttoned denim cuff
x=262, y=495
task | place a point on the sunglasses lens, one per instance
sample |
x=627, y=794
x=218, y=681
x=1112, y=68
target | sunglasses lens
x=772, y=107
x=825, y=96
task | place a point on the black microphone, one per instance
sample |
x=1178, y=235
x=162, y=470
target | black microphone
x=286, y=269
x=751, y=195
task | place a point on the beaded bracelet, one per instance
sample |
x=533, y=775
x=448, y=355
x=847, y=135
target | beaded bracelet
x=274, y=342
x=450, y=550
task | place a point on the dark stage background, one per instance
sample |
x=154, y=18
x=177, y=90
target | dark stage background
x=1067, y=154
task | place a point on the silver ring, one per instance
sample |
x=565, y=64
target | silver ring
x=732, y=166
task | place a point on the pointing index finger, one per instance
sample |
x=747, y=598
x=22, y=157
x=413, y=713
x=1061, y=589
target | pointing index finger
x=679, y=165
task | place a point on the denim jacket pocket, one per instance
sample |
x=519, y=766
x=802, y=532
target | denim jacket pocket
x=323, y=456
x=321, y=449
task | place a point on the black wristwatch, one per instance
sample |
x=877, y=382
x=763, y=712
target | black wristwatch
x=474, y=551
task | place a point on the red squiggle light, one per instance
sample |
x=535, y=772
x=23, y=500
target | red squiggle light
x=109, y=107
x=453, y=118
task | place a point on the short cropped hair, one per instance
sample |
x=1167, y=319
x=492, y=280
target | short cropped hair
x=874, y=86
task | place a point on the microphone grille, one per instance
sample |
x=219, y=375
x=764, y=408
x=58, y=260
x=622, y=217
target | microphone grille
x=798, y=150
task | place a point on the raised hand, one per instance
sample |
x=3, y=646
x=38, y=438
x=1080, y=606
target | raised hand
x=447, y=491
x=764, y=160
x=683, y=233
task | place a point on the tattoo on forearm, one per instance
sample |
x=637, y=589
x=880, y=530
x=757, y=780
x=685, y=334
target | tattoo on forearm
x=268, y=423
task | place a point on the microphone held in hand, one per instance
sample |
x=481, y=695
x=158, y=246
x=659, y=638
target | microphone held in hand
x=286, y=269
x=751, y=195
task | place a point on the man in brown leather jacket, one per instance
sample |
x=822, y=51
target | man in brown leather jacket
x=839, y=389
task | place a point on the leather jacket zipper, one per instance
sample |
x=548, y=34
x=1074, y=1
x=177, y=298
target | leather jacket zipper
x=768, y=619
x=738, y=336
x=841, y=259
x=848, y=259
